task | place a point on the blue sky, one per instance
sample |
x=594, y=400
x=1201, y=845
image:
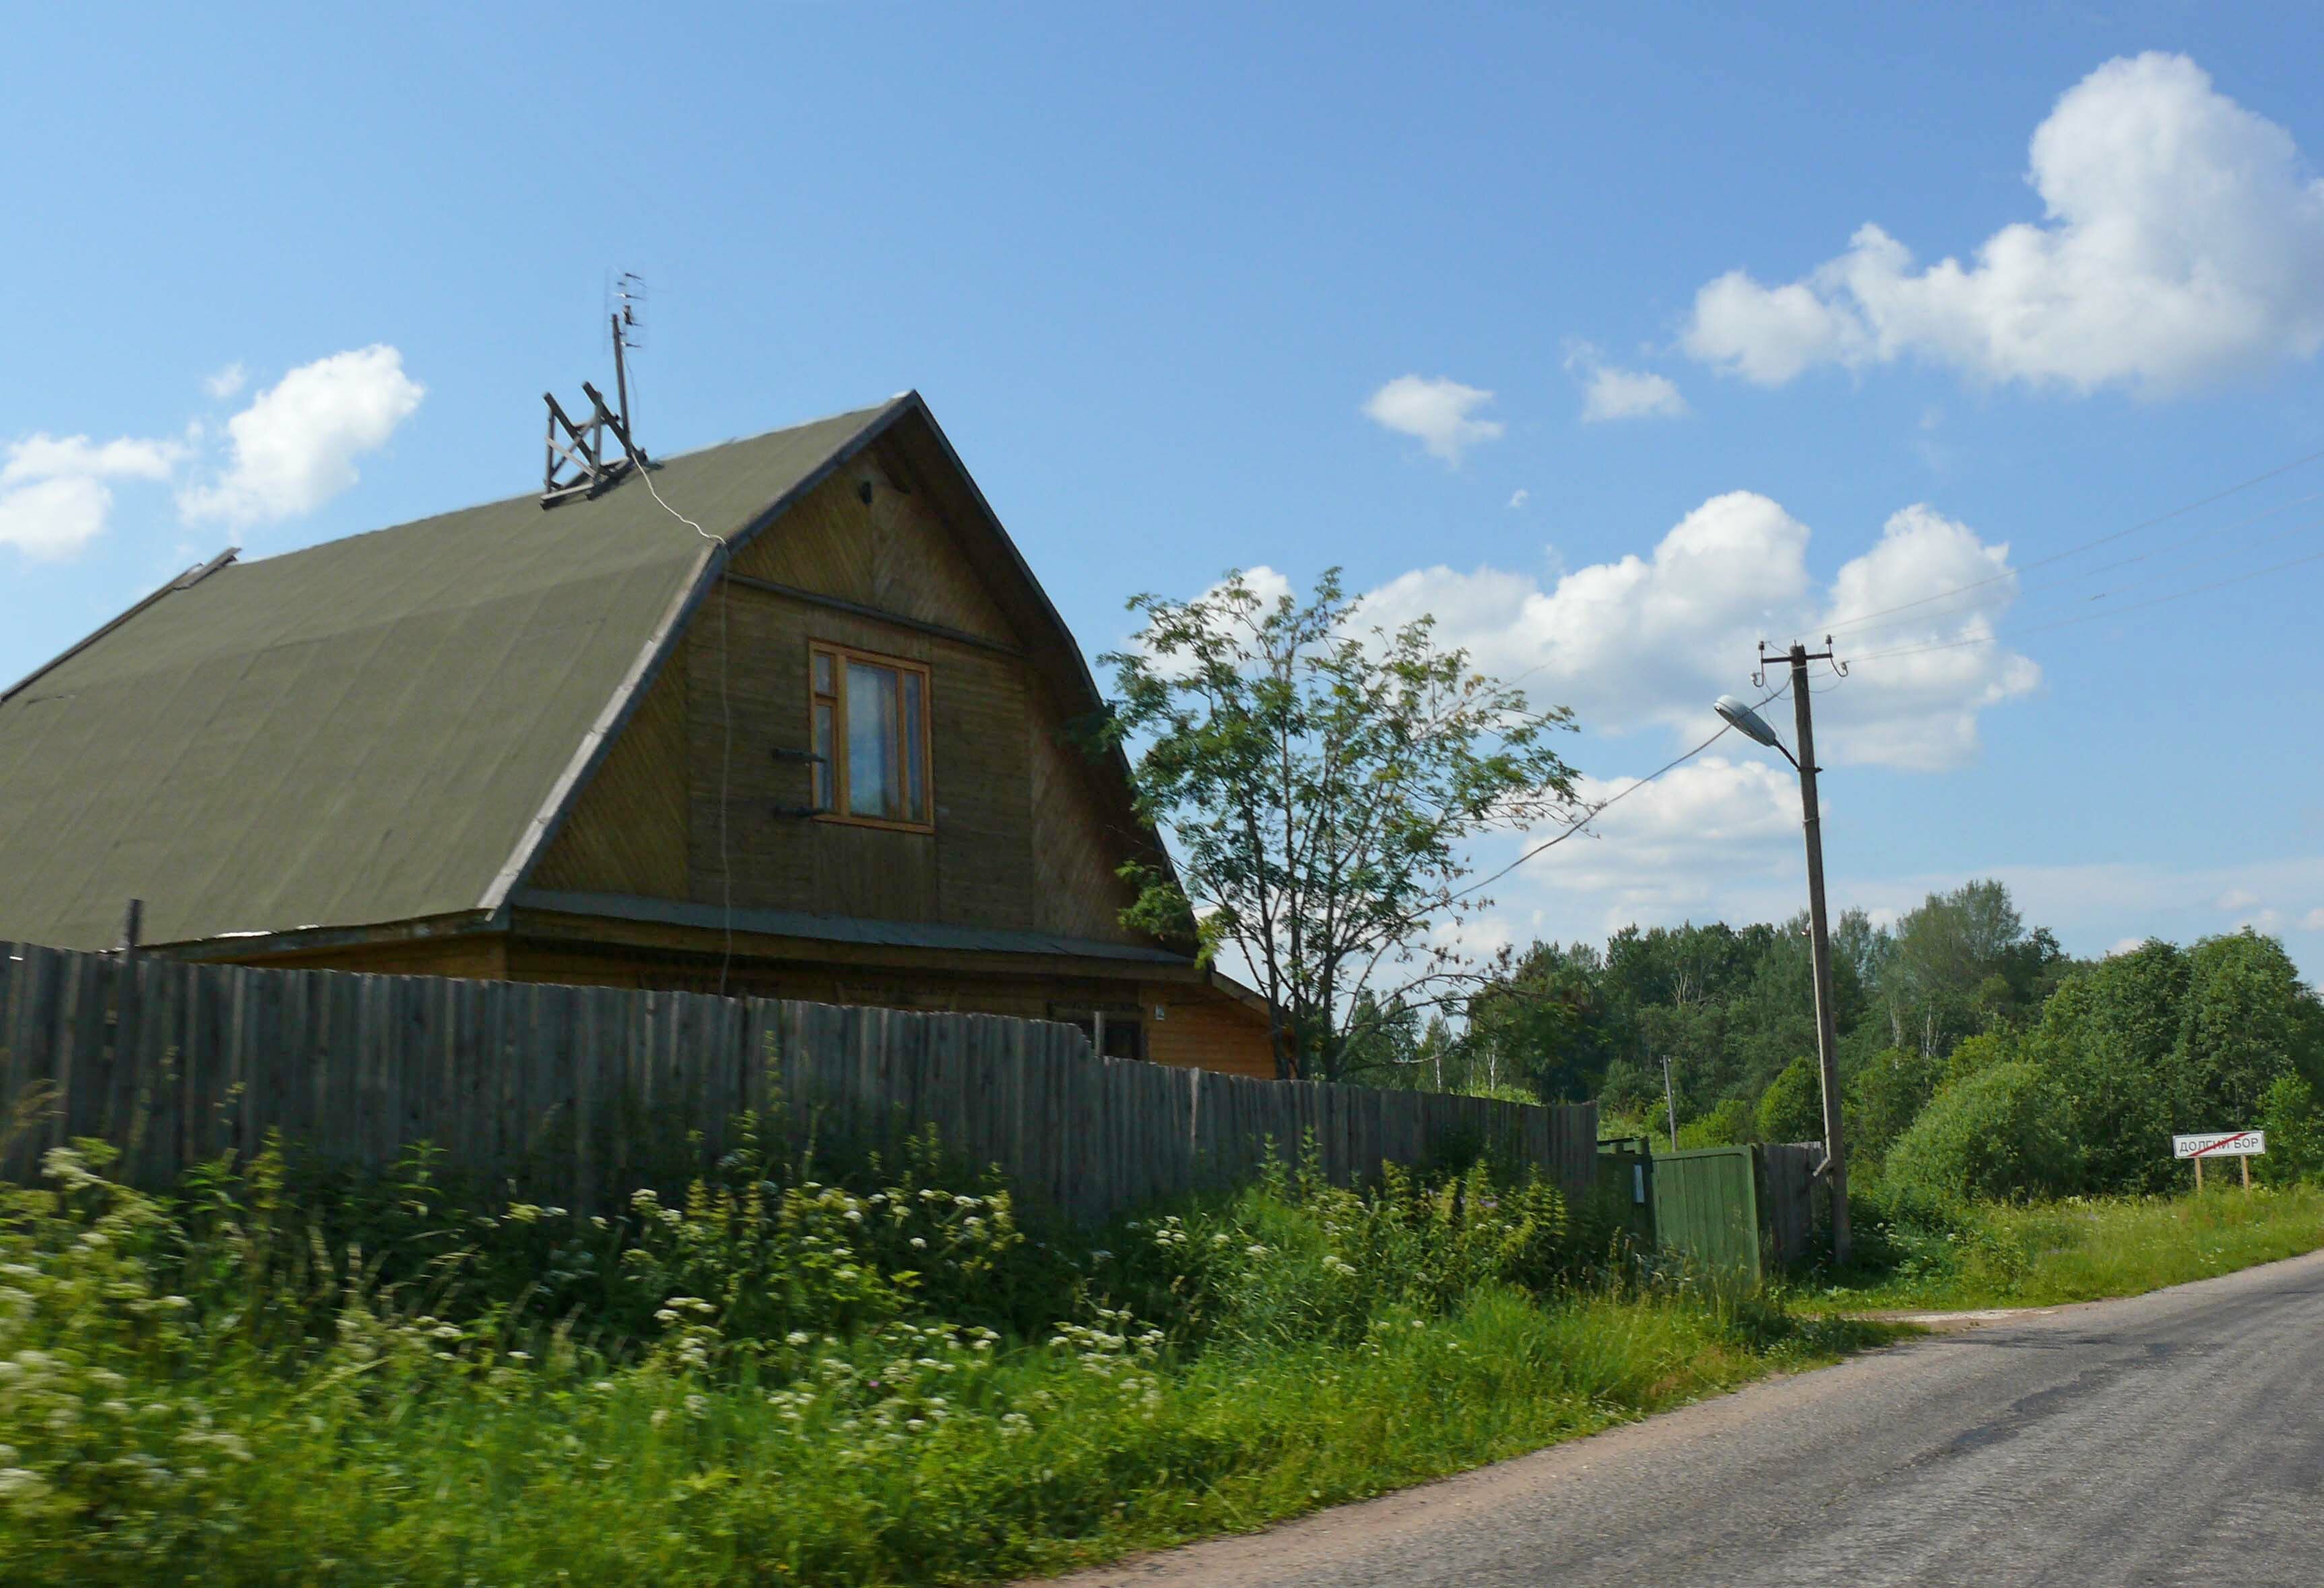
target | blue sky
x=1198, y=288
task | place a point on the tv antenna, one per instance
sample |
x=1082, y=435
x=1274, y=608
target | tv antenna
x=584, y=450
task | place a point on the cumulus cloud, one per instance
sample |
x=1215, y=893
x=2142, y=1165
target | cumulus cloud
x=1718, y=835
x=227, y=382
x=1651, y=640
x=54, y=495
x=295, y=447
x=1611, y=393
x=1440, y=414
x=2182, y=239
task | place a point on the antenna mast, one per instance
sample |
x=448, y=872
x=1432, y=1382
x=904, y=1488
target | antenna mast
x=583, y=448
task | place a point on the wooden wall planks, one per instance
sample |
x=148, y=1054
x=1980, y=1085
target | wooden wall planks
x=576, y=1095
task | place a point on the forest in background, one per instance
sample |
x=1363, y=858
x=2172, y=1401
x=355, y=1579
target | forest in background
x=1977, y=1058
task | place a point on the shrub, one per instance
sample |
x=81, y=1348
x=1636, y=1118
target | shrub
x=1295, y=1260
x=1888, y=1093
x=2294, y=1123
x=2000, y=1134
x=1792, y=1108
x=1726, y=1126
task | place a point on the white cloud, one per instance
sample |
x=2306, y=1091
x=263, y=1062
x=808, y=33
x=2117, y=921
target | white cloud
x=226, y=382
x=1648, y=641
x=1672, y=848
x=53, y=496
x=1439, y=413
x=1518, y=496
x=51, y=520
x=1610, y=393
x=54, y=457
x=295, y=445
x=2312, y=922
x=2236, y=899
x=2181, y=239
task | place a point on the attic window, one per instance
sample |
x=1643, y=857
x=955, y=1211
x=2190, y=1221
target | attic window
x=871, y=736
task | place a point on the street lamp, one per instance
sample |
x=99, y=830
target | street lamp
x=1747, y=721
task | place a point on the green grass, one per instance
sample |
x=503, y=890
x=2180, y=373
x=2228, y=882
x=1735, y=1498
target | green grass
x=250, y=1384
x=2082, y=1249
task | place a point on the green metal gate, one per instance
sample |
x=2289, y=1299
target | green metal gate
x=1707, y=1211
x=1625, y=1187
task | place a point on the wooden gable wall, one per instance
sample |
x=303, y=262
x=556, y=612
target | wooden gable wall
x=685, y=804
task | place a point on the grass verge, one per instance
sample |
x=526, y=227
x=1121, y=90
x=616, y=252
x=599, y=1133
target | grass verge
x=2081, y=1248
x=757, y=1385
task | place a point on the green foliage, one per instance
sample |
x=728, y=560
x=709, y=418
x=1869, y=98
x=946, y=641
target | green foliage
x=1728, y=1124
x=2243, y=1026
x=274, y=1378
x=1539, y=1022
x=1295, y=1258
x=1323, y=780
x=2131, y=1049
x=1792, y=1108
x=2162, y=1039
x=2000, y=1133
x=2293, y=1119
x=1961, y=963
x=1888, y=1093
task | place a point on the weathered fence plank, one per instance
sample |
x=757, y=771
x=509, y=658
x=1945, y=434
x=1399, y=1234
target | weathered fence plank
x=579, y=1094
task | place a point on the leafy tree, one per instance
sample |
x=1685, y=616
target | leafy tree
x=1541, y=1021
x=1887, y=1095
x=2109, y=1040
x=2292, y=1119
x=1630, y=1090
x=1972, y=1054
x=1960, y=963
x=1323, y=781
x=2164, y=1040
x=1792, y=1109
x=1383, y=1047
x=2245, y=1023
x=2001, y=1132
x=1728, y=1124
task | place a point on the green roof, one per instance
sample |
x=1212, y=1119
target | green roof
x=375, y=729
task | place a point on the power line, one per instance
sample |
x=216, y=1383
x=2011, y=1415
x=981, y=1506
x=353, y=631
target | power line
x=1594, y=812
x=2086, y=545
x=1868, y=625
x=2093, y=617
x=721, y=552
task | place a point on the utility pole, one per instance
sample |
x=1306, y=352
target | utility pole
x=1670, y=1102
x=1819, y=937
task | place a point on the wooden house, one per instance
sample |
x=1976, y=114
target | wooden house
x=820, y=747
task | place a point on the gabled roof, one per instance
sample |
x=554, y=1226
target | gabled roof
x=387, y=728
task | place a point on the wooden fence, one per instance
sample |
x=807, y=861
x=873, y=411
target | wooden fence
x=1791, y=1195
x=575, y=1095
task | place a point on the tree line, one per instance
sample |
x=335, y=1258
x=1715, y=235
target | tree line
x=1975, y=1056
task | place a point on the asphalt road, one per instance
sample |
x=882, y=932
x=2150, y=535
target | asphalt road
x=2173, y=1438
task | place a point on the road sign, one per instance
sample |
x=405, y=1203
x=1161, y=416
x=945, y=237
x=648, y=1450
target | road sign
x=2233, y=1144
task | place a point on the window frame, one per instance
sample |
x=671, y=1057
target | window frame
x=836, y=766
